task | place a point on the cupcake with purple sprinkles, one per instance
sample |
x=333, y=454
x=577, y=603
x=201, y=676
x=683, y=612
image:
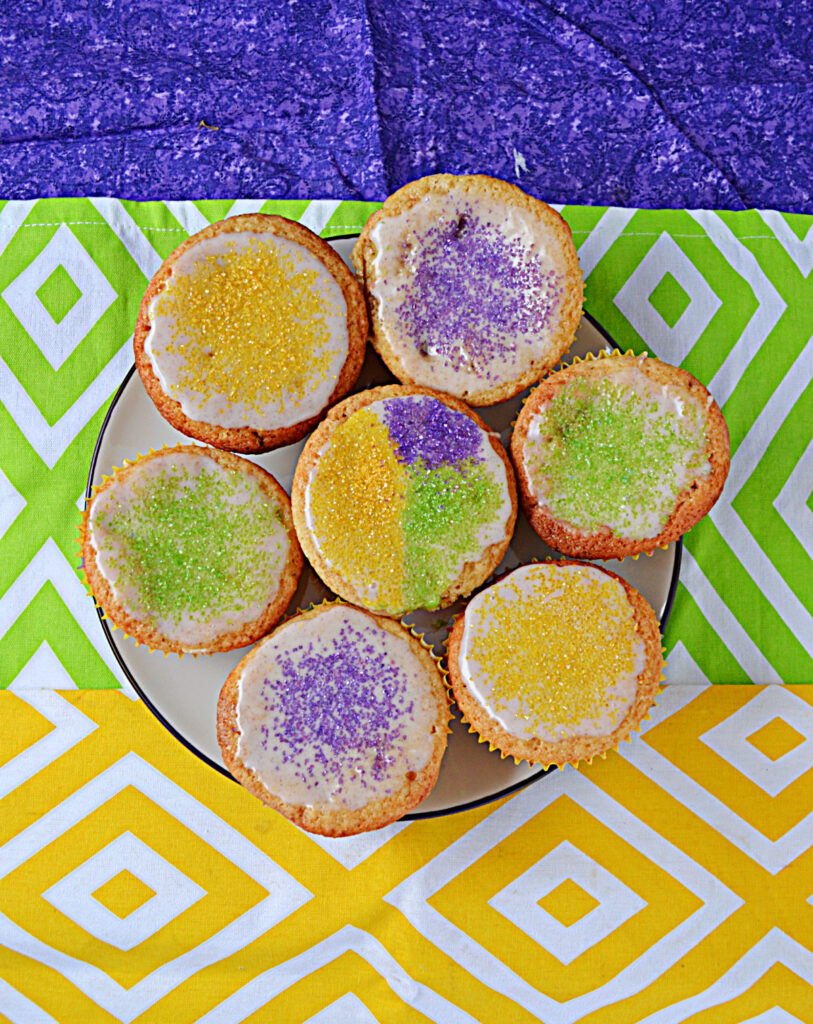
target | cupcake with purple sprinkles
x=338, y=720
x=473, y=287
x=402, y=499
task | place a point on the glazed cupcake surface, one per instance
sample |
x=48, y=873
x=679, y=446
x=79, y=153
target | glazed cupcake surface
x=190, y=549
x=338, y=719
x=249, y=330
x=403, y=499
x=473, y=287
x=618, y=455
x=555, y=662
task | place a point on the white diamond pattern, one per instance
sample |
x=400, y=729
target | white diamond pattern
x=771, y=854
x=174, y=893
x=412, y=898
x=351, y=851
x=671, y=343
x=266, y=986
x=56, y=341
x=285, y=894
x=776, y=1015
x=729, y=739
x=349, y=1009
x=519, y=902
x=43, y=670
x=791, y=502
x=49, y=565
x=773, y=948
x=800, y=250
x=70, y=727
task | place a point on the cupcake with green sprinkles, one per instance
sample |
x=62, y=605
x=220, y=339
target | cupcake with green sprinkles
x=556, y=662
x=403, y=499
x=618, y=456
x=191, y=550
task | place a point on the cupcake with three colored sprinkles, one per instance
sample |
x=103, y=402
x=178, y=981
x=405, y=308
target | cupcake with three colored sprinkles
x=338, y=720
x=250, y=330
x=619, y=455
x=473, y=287
x=191, y=550
x=402, y=499
x=556, y=662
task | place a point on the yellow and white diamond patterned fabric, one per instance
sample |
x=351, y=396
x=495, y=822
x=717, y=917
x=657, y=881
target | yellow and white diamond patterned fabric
x=670, y=882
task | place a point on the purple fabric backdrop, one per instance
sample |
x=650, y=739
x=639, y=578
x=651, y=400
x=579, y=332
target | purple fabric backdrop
x=628, y=102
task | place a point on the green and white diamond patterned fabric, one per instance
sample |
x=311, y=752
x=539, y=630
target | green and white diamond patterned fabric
x=729, y=296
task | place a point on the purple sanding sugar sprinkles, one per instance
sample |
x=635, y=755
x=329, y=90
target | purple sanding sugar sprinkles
x=427, y=429
x=338, y=711
x=474, y=292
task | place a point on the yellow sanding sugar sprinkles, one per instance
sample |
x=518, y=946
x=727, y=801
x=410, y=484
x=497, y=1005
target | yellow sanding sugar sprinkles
x=551, y=651
x=250, y=330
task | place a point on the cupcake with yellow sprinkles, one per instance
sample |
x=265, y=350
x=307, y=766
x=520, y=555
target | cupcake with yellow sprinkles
x=403, y=499
x=248, y=332
x=191, y=550
x=556, y=662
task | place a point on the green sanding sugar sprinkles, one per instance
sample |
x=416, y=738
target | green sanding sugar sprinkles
x=406, y=502
x=618, y=455
x=191, y=550
x=606, y=453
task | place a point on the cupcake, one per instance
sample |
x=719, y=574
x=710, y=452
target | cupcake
x=473, y=287
x=556, y=662
x=619, y=455
x=338, y=720
x=191, y=550
x=402, y=499
x=248, y=332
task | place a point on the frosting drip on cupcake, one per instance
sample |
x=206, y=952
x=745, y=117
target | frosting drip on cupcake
x=468, y=283
x=188, y=546
x=249, y=331
x=405, y=493
x=552, y=651
x=335, y=710
x=615, y=451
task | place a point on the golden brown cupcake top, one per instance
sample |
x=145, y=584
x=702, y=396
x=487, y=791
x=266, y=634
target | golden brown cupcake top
x=473, y=286
x=248, y=331
x=618, y=455
x=191, y=549
x=555, y=661
x=338, y=720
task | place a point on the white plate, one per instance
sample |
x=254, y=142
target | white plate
x=183, y=693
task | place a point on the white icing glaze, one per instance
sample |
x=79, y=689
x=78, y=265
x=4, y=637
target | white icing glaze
x=194, y=630
x=527, y=588
x=161, y=344
x=312, y=716
x=468, y=368
x=665, y=483
x=490, y=533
